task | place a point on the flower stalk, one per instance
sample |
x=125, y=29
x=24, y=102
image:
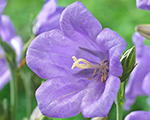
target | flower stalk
x=119, y=101
x=13, y=95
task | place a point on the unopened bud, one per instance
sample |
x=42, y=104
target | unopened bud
x=144, y=30
x=128, y=63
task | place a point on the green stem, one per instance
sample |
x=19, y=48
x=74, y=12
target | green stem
x=27, y=86
x=28, y=95
x=120, y=100
x=13, y=96
x=119, y=107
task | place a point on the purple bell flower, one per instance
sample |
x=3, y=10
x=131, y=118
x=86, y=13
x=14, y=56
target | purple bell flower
x=134, y=86
x=143, y=4
x=146, y=84
x=138, y=115
x=82, y=64
x=2, y=6
x=48, y=18
x=8, y=34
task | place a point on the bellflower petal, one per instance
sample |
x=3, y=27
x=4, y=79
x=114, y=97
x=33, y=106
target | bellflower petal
x=62, y=100
x=7, y=30
x=4, y=78
x=146, y=84
x=143, y=4
x=4, y=71
x=82, y=72
x=134, y=86
x=138, y=41
x=48, y=18
x=17, y=44
x=77, y=19
x=128, y=103
x=8, y=34
x=99, y=97
x=138, y=115
x=54, y=52
x=2, y=6
x=113, y=43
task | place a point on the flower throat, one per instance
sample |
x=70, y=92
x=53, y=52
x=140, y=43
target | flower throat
x=101, y=69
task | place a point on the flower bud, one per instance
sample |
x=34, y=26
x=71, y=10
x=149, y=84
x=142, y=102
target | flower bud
x=128, y=63
x=144, y=30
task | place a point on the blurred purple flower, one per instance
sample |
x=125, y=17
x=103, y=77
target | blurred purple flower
x=138, y=115
x=2, y=6
x=88, y=84
x=8, y=34
x=134, y=86
x=48, y=18
x=146, y=84
x=143, y=4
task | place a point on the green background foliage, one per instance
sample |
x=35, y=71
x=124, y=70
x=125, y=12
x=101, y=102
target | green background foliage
x=119, y=15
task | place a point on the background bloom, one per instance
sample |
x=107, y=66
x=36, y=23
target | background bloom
x=8, y=34
x=138, y=115
x=146, y=84
x=143, y=4
x=48, y=18
x=2, y=6
x=67, y=92
x=134, y=86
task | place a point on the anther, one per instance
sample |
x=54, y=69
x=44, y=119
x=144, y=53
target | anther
x=101, y=69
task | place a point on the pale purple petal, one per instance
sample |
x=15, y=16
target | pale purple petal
x=3, y=64
x=51, y=52
x=138, y=115
x=17, y=44
x=77, y=19
x=2, y=6
x=7, y=30
x=4, y=71
x=99, y=97
x=138, y=41
x=146, y=84
x=143, y=4
x=113, y=45
x=128, y=103
x=4, y=78
x=60, y=100
x=48, y=18
x=48, y=54
x=134, y=86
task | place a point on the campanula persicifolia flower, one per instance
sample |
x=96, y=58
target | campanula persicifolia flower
x=138, y=115
x=143, y=4
x=134, y=86
x=48, y=18
x=82, y=64
x=8, y=34
x=146, y=84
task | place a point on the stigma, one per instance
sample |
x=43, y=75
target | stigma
x=99, y=69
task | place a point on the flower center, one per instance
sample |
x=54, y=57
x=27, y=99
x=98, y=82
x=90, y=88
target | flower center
x=101, y=69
